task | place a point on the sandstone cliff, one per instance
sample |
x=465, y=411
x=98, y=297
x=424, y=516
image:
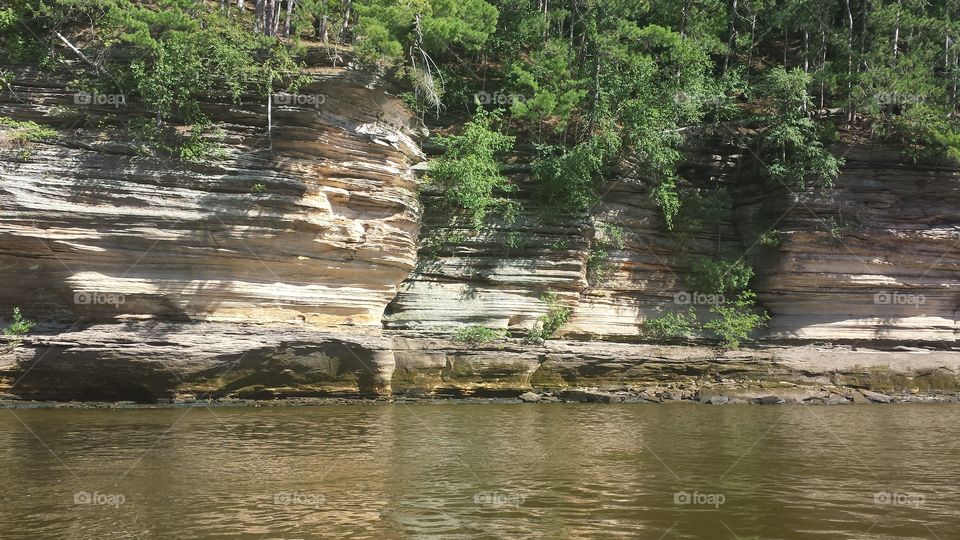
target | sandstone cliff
x=294, y=264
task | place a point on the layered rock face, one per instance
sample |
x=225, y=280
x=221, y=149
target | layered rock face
x=871, y=259
x=321, y=228
x=614, y=269
x=314, y=224
x=272, y=268
x=874, y=259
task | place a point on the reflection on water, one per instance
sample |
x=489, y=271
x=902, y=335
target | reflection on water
x=479, y=470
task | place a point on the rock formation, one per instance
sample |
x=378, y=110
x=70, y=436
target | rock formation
x=289, y=264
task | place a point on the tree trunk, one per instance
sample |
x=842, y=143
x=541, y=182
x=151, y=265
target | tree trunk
x=270, y=114
x=268, y=17
x=275, y=23
x=286, y=25
x=683, y=20
x=850, y=109
x=258, y=16
x=786, y=40
x=320, y=28
x=346, y=22
x=732, y=33
x=896, y=33
x=823, y=64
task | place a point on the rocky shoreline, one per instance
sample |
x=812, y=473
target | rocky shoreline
x=177, y=364
x=680, y=393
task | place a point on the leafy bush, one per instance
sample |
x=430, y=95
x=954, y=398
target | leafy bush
x=568, y=177
x=478, y=334
x=710, y=276
x=468, y=171
x=557, y=315
x=668, y=199
x=837, y=227
x=735, y=320
x=770, y=238
x=789, y=145
x=671, y=326
x=26, y=132
x=18, y=328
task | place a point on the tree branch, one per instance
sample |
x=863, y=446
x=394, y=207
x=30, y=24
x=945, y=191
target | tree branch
x=78, y=52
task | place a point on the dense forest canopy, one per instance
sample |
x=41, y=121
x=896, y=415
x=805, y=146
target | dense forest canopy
x=580, y=87
x=585, y=83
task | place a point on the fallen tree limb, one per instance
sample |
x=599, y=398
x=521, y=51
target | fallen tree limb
x=78, y=52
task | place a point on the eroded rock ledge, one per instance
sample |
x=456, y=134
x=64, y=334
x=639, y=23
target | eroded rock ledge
x=147, y=362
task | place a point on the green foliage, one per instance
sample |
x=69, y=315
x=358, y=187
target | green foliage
x=770, y=238
x=668, y=199
x=722, y=277
x=258, y=188
x=323, y=16
x=19, y=136
x=671, y=326
x=468, y=170
x=923, y=133
x=789, y=145
x=556, y=316
x=736, y=320
x=18, y=328
x=168, y=55
x=386, y=28
x=737, y=315
x=197, y=57
x=478, y=334
x=569, y=177
x=200, y=141
x=22, y=133
x=837, y=227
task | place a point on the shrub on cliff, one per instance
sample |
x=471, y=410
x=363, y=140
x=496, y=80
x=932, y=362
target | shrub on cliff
x=468, y=171
x=671, y=326
x=18, y=328
x=736, y=320
x=549, y=323
x=478, y=334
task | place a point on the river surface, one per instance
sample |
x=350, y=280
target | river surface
x=460, y=470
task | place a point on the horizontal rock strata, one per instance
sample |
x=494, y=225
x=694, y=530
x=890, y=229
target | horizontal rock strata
x=315, y=223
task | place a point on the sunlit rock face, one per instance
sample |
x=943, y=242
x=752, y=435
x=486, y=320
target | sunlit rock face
x=873, y=258
x=320, y=228
x=614, y=267
x=876, y=258
x=293, y=263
